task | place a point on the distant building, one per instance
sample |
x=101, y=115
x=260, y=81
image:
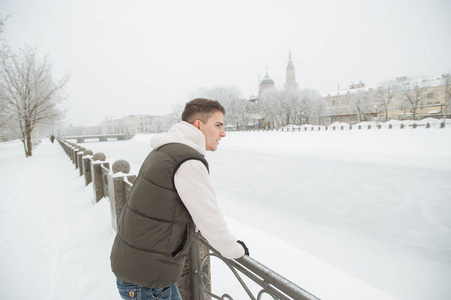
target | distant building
x=265, y=84
x=398, y=99
x=132, y=124
x=113, y=125
x=79, y=130
x=290, y=77
x=360, y=103
x=340, y=108
x=431, y=93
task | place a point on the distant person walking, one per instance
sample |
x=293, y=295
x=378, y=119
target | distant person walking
x=52, y=138
x=171, y=196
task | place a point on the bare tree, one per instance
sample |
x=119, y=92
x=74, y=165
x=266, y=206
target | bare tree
x=230, y=97
x=161, y=124
x=176, y=114
x=4, y=118
x=288, y=98
x=279, y=105
x=291, y=106
x=447, y=87
x=30, y=94
x=2, y=24
x=271, y=104
x=414, y=93
x=308, y=106
x=359, y=103
x=386, y=93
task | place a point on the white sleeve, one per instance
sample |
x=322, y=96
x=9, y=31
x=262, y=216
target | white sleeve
x=196, y=191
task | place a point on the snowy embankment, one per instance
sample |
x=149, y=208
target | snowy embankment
x=54, y=242
x=344, y=214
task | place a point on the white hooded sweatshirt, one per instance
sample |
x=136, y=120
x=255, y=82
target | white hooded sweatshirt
x=196, y=191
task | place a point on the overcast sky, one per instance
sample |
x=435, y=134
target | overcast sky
x=144, y=56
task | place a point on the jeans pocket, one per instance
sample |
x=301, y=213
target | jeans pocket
x=128, y=291
x=161, y=293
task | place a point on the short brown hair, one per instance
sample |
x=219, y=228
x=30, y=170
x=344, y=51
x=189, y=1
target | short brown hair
x=201, y=109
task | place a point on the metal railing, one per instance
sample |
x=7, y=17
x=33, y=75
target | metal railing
x=118, y=189
x=271, y=283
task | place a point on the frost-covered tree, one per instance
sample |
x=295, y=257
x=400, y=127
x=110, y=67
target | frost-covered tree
x=279, y=105
x=386, y=93
x=161, y=124
x=2, y=24
x=320, y=109
x=4, y=118
x=230, y=97
x=414, y=93
x=360, y=104
x=269, y=106
x=30, y=94
x=308, y=107
x=447, y=86
x=291, y=106
x=288, y=99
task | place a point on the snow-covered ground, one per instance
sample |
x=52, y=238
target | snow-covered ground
x=54, y=242
x=345, y=214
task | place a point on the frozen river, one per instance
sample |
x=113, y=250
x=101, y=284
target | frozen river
x=373, y=204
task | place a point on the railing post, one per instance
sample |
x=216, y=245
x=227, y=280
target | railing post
x=71, y=148
x=75, y=157
x=190, y=283
x=194, y=265
x=87, y=166
x=80, y=155
x=116, y=188
x=96, y=172
x=67, y=148
x=72, y=153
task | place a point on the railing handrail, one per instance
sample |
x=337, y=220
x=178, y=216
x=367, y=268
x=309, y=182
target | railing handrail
x=71, y=137
x=271, y=282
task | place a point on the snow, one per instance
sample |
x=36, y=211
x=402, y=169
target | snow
x=55, y=243
x=345, y=214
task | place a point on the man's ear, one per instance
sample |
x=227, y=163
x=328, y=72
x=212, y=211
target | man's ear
x=197, y=124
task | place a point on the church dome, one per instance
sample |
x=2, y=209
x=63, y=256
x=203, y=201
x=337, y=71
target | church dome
x=267, y=81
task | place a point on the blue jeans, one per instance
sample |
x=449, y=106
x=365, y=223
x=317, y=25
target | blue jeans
x=129, y=291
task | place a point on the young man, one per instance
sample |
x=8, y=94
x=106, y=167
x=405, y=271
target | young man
x=171, y=196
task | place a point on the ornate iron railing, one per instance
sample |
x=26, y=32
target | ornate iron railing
x=270, y=282
x=118, y=189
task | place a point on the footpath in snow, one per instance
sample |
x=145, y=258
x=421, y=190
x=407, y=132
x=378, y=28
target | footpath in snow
x=55, y=243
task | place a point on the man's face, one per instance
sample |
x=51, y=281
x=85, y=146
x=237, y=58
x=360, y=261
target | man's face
x=213, y=130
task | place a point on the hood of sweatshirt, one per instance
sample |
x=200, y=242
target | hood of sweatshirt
x=183, y=133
